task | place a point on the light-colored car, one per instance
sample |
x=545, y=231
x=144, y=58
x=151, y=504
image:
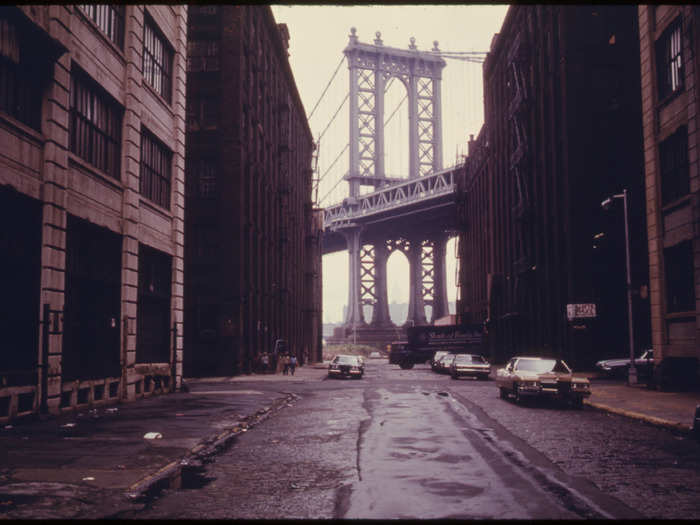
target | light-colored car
x=375, y=355
x=346, y=366
x=434, y=362
x=541, y=377
x=469, y=365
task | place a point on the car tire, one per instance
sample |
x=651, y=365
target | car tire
x=453, y=376
x=577, y=403
x=502, y=393
x=406, y=365
x=516, y=394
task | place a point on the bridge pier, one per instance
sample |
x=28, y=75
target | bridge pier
x=354, y=317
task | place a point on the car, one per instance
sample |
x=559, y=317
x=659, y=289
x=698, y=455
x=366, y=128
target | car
x=541, y=377
x=438, y=355
x=346, y=366
x=469, y=365
x=619, y=367
x=375, y=355
x=442, y=365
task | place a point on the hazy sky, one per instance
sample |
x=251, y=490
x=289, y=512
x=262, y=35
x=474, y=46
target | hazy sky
x=318, y=35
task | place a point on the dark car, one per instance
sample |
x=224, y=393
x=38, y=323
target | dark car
x=469, y=365
x=346, y=366
x=541, y=377
x=618, y=367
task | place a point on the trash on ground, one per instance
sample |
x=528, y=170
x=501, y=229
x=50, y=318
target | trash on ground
x=8, y=427
x=112, y=410
x=443, y=394
x=153, y=435
x=179, y=415
x=89, y=478
x=68, y=425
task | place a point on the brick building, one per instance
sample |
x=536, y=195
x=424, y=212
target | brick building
x=92, y=111
x=252, y=243
x=562, y=132
x=669, y=46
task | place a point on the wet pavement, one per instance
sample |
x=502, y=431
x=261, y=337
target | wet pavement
x=399, y=443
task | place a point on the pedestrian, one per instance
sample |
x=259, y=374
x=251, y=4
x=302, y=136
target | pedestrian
x=285, y=362
x=292, y=363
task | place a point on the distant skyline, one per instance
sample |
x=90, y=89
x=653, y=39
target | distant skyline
x=318, y=35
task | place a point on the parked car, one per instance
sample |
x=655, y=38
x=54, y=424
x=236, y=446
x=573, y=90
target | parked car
x=346, y=366
x=469, y=365
x=438, y=355
x=618, y=367
x=375, y=355
x=442, y=365
x=539, y=377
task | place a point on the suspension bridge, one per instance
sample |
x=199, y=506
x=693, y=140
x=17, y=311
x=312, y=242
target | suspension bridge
x=381, y=181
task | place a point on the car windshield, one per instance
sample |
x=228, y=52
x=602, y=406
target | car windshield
x=345, y=360
x=468, y=358
x=540, y=366
x=447, y=357
x=440, y=354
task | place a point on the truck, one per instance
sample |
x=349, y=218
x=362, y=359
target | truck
x=423, y=341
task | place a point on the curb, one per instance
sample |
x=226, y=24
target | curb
x=170, y=475
x=656, y=421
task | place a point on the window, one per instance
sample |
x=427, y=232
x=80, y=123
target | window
x=673, y=163
x=95, y=124
x=155, y=170
x=669, y=61
x=20, y=86
x=680, y=281
x=202, y=55
x=203, y=172
x=109, y=18
x=157, y=60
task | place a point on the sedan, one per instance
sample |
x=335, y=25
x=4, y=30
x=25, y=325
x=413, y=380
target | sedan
x=538, y=377
x=469, y=365
x=644, y=364
x=346, y=366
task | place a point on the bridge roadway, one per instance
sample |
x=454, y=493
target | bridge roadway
x=424, y=206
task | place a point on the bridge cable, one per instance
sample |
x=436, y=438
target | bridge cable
x=334, y=115
x=327, y=86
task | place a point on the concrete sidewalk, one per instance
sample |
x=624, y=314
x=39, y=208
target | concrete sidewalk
x=674, y=410
x=103, y=455
x=94, y=463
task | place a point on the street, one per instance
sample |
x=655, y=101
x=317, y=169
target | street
x=415, y=444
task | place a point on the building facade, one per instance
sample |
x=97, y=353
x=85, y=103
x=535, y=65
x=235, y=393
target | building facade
x=251, y=236
x=562, y=132
x=92, y=125
x=669, y=47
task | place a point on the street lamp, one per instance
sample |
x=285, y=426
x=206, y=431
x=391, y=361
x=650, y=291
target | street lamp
x=606, y=204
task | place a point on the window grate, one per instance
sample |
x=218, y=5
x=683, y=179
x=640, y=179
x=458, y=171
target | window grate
x=20, y=85
x=669, y=61
x=157, y=60
x=109, y=18
x=155, y=170
x=95, y=125
x=673, y=160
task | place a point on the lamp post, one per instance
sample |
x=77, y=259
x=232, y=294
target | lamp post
x=632, y=377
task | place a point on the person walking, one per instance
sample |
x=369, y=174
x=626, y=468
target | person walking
x=292, y=363
x=285, y=362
